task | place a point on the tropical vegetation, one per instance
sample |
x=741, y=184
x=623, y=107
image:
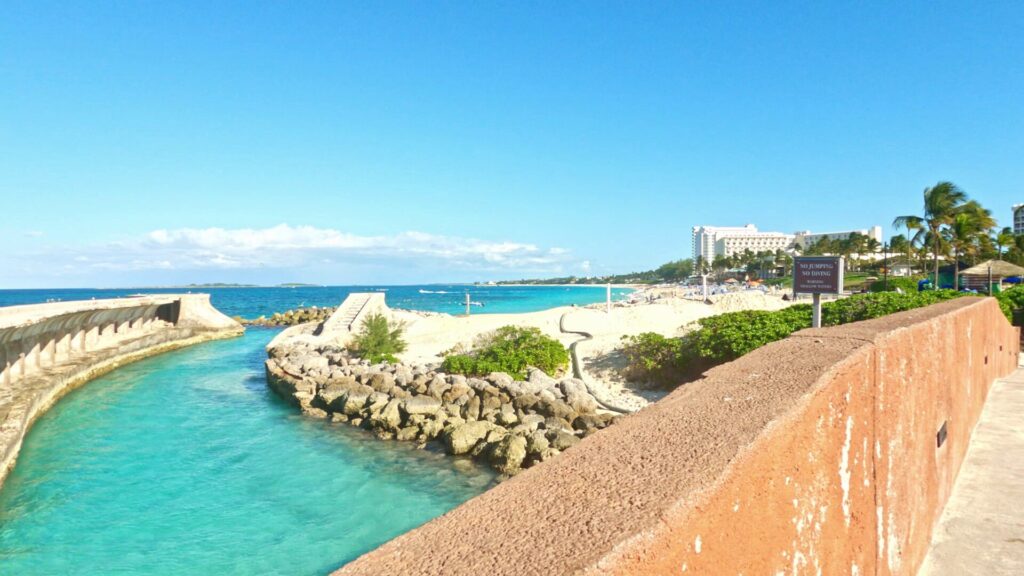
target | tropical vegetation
x=668, y=362
x=510, y=349
x=379, y=339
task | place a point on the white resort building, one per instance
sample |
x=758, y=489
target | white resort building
x=711, y=241
x=1018, y=218
x=806, y=239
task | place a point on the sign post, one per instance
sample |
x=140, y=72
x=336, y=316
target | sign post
x=817, y=275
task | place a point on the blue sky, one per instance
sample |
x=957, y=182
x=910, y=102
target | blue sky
x=388, y=142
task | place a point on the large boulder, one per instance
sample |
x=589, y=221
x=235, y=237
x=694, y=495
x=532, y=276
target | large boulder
x=508, y=455
x=588, y=423
x=532, y=421
x=403, y=375
x=309, y=363
x=438, y=386
x=461, y=439
x=459, y=391
x=577, y=396
x=356, y=399
x=483, y=388
x=376, y=402
x=421, y=405
x=381, y=382
x=490, y=405
x=471, y=409
x=537, y=444
x=561, y=440
x=507, y=416
x=537, y=380
x=526, y=402
x=500, y=379
x=334, y=389
x=555, y=409
x=432, y=428
x=389, y=417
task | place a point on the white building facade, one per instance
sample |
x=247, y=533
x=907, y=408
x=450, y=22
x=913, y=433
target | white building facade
x=1018, y=218
x=711, y=241
x=806, y=239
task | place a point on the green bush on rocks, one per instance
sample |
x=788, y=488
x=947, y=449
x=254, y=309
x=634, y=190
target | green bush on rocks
x=510, y=349
x=378, y=340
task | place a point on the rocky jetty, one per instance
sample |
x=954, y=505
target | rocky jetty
x=292, y=317
x=508, y=423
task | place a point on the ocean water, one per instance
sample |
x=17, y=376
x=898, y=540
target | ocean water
x=254, y=302
x=186, y=463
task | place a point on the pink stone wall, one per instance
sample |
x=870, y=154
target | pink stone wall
x=816, y=454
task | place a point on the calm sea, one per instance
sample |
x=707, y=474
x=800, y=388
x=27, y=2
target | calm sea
x=186, y=463
x=254, y=302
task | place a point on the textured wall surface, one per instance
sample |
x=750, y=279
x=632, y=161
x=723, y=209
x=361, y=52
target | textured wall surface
x=816, y=454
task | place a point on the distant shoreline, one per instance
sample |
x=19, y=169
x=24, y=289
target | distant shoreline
x=208, y=286
x=626, y=286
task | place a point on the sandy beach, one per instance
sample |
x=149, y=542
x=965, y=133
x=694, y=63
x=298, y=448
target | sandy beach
x=431, y=336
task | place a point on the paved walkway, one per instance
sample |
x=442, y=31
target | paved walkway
x=982, y=528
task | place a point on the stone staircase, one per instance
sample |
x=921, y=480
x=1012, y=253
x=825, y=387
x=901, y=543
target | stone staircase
x=346, y=317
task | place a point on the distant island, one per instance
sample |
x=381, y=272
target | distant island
x=675, y=271
x=297, y=285
x=204, y=285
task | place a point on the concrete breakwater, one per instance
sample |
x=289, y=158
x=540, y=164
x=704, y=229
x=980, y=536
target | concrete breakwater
x=509, y=424
x=47, y=350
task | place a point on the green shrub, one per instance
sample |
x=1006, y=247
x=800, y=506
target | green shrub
x=1011, y=300
x=379, y=340
x=510, y=349
x=654, y=358
x=728, y=336
x=905, y=283
x=875, y=305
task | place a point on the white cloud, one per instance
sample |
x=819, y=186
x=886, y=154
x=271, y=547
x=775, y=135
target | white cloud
x=284, y=246
x=585, y=265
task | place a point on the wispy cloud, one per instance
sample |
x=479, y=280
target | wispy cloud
x=295, y=247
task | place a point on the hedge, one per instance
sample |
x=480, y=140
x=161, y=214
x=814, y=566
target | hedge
x=725, y=337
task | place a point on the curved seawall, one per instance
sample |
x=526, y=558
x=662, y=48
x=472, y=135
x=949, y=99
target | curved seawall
x=832, y=451
x=48, y=349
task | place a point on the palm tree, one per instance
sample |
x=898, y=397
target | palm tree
x=941, y=203
x=1003, y=239
x=970, y=223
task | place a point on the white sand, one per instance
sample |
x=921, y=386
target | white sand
x=430, y=336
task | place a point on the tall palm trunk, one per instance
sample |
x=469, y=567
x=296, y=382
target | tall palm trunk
x=935, y=254
x=956, y=269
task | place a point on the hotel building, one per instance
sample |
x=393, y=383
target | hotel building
x=806, y=239
x=711, y=241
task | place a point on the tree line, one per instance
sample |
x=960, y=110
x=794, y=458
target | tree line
x=950, y=226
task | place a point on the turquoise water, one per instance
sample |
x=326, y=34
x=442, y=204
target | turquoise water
x=186, y=463
x=450, y=298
